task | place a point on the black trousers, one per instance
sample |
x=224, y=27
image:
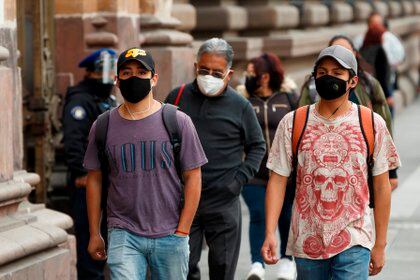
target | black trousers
x=87, y=268
x=221, y=226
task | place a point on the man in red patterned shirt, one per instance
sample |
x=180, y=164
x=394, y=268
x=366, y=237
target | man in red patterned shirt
x=331, y=234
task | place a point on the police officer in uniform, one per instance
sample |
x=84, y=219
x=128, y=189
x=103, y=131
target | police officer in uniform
x=83, y=104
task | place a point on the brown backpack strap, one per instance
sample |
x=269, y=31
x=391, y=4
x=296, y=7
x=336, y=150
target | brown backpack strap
x=367, y=125
x=368, y=128
x=300, y=119
x=178, y=96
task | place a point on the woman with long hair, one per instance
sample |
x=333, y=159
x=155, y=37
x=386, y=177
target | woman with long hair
x=272, y=95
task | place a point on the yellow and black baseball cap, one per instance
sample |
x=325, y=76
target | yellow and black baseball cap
x=142, y=56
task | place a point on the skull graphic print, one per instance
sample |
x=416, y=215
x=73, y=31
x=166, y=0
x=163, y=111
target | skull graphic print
x=333, y=189
x=330, y=211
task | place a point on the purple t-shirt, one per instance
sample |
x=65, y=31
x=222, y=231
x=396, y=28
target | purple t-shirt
x=145, y=192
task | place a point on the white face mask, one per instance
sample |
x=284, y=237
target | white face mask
x=210, y=85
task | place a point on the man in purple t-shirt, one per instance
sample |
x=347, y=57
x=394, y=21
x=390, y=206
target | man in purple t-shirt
x=147, y=224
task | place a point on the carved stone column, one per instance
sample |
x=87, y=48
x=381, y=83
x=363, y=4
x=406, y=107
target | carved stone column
x=84, y=26
x=219, y=18
x=33, y=240
x=341, y=12
x=171, y=48
x=268, y=17
x=185, y=13
x=362, y=11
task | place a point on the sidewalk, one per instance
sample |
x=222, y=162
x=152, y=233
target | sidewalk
x=403, y=251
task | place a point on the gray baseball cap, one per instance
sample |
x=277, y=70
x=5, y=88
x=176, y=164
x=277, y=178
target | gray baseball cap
x=340, y=54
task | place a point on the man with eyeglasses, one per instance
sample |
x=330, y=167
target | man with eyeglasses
x=233, y=142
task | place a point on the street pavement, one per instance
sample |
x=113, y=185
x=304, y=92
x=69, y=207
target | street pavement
x=403, y=249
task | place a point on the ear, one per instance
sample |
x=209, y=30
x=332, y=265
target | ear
x=154, y=80
x=353, y=81
x=116, y=81
x=229, y=75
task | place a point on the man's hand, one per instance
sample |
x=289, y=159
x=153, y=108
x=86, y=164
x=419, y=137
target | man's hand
x=81, y=182
x=377, y=260
x=269, y=249
x=96, y=248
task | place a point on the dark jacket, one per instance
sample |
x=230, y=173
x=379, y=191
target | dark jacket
x=81, y=108
x=269, y=113
x=228, y=129
x=376, y=57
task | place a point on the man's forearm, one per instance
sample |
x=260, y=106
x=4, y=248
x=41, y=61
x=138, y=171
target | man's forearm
x=381, y=212
x=192, y=193
x=93, y=201
x=274, y=197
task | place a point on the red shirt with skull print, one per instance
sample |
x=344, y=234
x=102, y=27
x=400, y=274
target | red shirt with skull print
x=331, y=208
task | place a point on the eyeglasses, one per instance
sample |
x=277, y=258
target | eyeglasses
x=216, y=74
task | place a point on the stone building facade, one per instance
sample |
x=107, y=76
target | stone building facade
x=33, y=239
x=42, y=41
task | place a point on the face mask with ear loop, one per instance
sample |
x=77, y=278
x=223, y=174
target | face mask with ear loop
x=330, y=87
x=209, y=85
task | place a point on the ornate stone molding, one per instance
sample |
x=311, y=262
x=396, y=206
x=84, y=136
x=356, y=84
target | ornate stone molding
x=100, y=37
x=13, y=190
x=4, y=54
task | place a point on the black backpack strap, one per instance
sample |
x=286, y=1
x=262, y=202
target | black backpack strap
x=100, y=139
x=171, y=124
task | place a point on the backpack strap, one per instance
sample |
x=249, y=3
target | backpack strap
x=300, y=120
x=101, y=133
x=367, y=126
x=171, y=124
x=178, y=96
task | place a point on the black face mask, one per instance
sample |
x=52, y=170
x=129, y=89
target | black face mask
x=251, y=84
x=330, y=87
x=135, y=89
x=102, y=90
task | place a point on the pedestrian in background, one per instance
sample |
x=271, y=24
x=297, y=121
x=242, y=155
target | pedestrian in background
x=83, y=104
x=232, y=139
x=331, y=233
x=272, y=96
x=392, y=47
x=374, y=54
x=148, y=221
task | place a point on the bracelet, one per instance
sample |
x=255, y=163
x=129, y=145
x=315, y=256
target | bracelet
x=183, y=232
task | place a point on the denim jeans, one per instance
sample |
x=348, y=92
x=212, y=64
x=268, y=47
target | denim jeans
x=254, y=196
x=351, y=264
x=129, y=256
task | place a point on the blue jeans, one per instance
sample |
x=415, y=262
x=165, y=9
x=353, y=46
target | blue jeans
x=350, y=264
x=254, y=196
x=129, y=255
